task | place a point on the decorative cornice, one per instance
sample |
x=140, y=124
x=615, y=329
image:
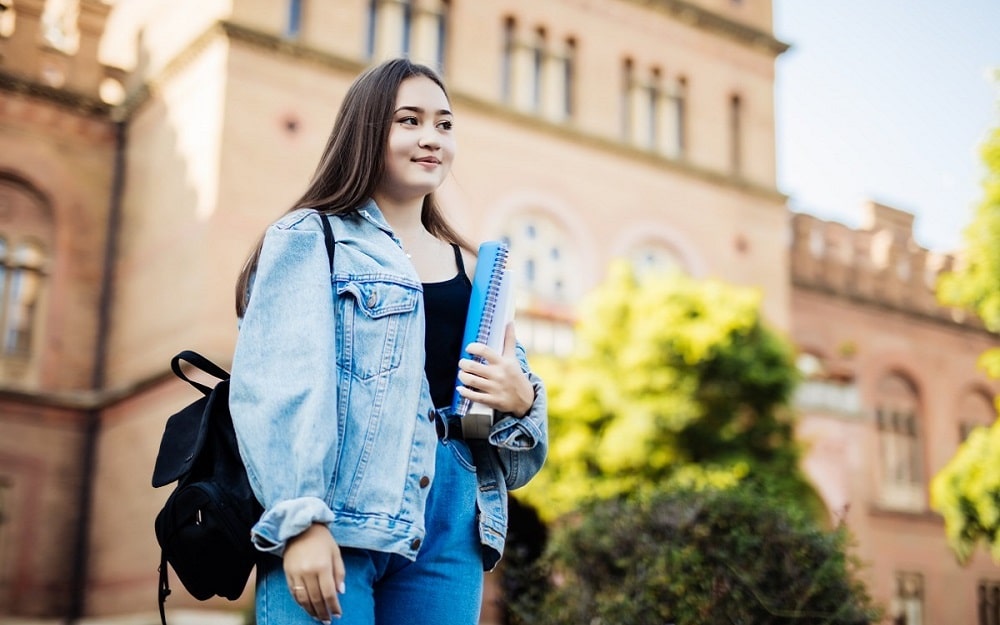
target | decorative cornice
x=941, y=317
x=86, y=105
x=289, y=47
x=704, y=19
x=83, y=400
x=293, y=49
x=564, y=131
x=866, y=268
x=232, y=31
x=569, y=132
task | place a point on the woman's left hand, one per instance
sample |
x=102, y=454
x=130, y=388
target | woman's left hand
x=498, y=382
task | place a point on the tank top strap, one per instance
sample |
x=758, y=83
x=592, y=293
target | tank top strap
x=458, y=258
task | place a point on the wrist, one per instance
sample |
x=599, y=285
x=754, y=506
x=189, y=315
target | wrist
x=527, y=397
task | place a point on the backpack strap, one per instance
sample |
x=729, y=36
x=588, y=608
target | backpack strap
x=197, y=360
x=331, y=242
x=164, y=587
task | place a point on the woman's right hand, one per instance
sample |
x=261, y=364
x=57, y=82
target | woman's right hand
x=315, y=572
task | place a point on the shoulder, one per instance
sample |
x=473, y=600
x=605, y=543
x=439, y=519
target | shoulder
x=302, y=219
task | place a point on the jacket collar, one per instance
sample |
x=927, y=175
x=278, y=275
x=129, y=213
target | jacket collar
x=373, y=214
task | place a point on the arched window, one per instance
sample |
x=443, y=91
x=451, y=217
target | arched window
x=542, y=257
x=975, y=410
x=899, y=423
x=25, y=243
x=650, y=257
x=542, y=261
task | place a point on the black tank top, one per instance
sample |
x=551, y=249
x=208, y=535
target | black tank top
x=445, y=307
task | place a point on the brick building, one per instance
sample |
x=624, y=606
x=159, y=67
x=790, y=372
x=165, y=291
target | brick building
x=144, y=145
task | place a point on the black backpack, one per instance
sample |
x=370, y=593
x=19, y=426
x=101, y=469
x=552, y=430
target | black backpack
x=204, y=527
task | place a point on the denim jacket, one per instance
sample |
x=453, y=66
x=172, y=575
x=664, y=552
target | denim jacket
x=329, y=399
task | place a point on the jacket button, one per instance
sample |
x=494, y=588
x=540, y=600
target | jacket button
x=424, y=481
x=415, y=544
x=372, y=298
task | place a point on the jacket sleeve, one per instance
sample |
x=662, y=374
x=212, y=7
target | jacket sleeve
x=283, y=386
x=522, y=443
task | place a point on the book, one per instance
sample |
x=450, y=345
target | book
x=491, y=308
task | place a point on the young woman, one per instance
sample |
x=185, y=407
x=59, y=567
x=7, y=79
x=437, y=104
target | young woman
x=376, y=510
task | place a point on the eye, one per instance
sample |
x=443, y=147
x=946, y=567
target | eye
x=409, y=121
x=445, y=125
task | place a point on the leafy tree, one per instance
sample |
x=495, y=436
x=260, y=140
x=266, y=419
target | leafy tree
x=976, y=283
x=694, y=557
x=674, y=383
x=967, y=490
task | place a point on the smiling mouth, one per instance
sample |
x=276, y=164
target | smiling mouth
x=427, y=161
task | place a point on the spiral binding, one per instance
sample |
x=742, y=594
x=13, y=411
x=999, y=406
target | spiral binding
x=493, y=293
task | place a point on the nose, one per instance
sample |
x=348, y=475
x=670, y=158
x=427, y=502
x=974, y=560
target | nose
x=429, y=139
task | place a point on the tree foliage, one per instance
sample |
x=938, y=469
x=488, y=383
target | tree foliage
x=694, y=557
x=975, y=285
x=967, y=494
x=673, y=383
x=967, y=490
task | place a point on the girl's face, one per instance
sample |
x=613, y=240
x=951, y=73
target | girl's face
x=421, y=145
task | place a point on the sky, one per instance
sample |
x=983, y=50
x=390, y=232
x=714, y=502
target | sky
x=887, y=100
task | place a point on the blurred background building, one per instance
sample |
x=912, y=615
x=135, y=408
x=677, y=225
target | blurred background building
x=145, y=144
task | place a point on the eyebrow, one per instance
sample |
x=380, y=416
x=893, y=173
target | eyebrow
x=418, y=110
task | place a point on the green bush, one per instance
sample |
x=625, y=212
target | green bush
x=696, y=558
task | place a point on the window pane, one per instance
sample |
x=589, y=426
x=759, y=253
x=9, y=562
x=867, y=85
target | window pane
x=294, y=25
x=25, y=284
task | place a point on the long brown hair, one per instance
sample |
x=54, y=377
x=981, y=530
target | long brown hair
x=353, y=161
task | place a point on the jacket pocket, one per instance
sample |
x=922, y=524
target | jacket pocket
x=377, y=318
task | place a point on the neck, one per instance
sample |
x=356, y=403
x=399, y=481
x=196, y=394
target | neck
x=404, y=218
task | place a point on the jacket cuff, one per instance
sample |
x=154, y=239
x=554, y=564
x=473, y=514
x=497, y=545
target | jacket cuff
x=287, y=520
x=519, y=434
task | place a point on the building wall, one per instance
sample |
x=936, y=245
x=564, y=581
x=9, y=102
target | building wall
x=39, y=456
x=233, y=125
x=57, y=148
x=887, y=324
x=226, y=108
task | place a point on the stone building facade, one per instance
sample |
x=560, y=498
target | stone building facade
x=891, y=390
x=145, y=144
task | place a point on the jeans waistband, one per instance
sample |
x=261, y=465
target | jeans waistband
x=448, y=427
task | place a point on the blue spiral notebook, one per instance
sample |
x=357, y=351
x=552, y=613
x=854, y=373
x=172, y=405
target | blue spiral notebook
x=491, y=308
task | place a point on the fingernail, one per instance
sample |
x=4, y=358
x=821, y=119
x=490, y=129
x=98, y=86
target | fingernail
x=342, y=588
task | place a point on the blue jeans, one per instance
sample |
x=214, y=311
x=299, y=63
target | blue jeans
x=444, y=586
